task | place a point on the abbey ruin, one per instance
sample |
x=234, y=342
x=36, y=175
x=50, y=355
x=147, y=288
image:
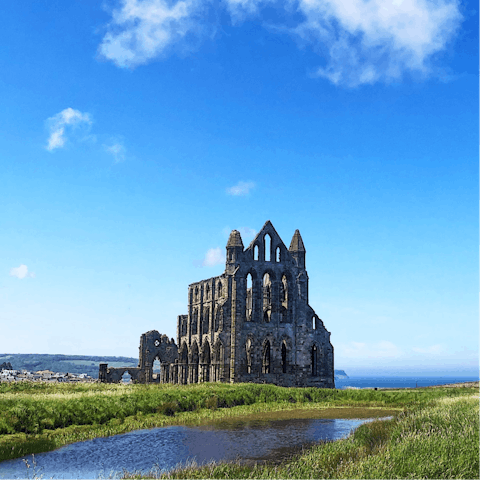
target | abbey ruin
x=253, y=323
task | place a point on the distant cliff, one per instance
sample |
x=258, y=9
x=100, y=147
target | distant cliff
x=339, y=374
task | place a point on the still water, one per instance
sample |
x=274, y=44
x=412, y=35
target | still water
x=164, y=448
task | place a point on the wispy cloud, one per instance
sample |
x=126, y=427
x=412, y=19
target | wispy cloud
x=21, y=272
x=141, y=30
x=68, y=118
x=240, y=9
x=431, y=350
x=360, y=350
x=359, y=42
x=378, y=40
x=117, y=150
x=247, y=232
x=214, y=256
x=241, y=189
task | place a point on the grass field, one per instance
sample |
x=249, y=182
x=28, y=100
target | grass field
x=42, y=417
x=435, y=441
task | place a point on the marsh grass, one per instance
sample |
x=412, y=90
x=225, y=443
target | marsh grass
x=41, y=417
x=435, y=441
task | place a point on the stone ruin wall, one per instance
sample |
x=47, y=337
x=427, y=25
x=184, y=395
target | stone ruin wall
x=263, y=333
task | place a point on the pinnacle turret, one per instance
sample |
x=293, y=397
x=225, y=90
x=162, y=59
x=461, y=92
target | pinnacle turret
x=297, y=249
x=234, y=247
x=296, y=245
x=235, y=239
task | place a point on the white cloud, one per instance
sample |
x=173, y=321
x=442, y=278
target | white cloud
x=240, y=9
x=214, y=256
x=21, y=272
x=142, y=29
x=118, y=151
x=247, y=232
x=59, y=122
x=374, y=40
x=361, y=41
x=241, y=188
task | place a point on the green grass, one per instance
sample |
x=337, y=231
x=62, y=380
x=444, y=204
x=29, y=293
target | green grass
x=40, y=417
x=440, y=440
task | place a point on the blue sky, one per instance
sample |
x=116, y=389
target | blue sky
x=136, y=134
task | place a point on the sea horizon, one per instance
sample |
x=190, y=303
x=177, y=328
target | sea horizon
x=401, y=381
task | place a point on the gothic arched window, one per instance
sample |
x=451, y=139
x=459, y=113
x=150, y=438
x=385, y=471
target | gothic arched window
x=266, y=357
x=284, y=358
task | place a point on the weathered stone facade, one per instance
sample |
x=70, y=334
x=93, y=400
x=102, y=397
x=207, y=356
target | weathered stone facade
x=253, y=323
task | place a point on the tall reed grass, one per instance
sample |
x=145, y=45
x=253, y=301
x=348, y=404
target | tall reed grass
x=40, y=417
x=440, y=440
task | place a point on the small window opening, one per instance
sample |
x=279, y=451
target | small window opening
x=314, y=361
x=267, y=291
x=284, y=358
x=277, y=254
x=267, y=241
x=206, y=320
x=314, y=323
x=126, y=378
x=255, y=252
x=219, y=289
x=184, y=325
x=156, y=368
x=249, y=305
x=248, y=348
x=266, y=358
x=194, y=322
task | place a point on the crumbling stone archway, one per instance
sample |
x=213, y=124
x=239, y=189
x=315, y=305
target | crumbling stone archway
x=155, y=345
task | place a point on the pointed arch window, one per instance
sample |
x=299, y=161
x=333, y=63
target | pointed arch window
x=194, y=364
x=219, y=288
x=194, y=322
x=184, y=320
x=267, y=290
x=217, y=318
x=206, y=320
x=267, y=242
x=248, y=348
x=249, y=298
x=255, y=252
x=266, y=357
x=314, y=360
x=206, y=360
x=284, y=290
x=277, y=255
x=284, y=358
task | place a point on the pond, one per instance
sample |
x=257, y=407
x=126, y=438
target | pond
x=164, y=448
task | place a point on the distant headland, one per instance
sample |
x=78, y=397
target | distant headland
x=76, y=364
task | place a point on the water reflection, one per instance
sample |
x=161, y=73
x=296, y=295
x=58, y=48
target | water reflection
x=166, y=447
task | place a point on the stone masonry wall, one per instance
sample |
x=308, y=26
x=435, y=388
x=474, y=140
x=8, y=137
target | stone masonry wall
x=253, y=323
